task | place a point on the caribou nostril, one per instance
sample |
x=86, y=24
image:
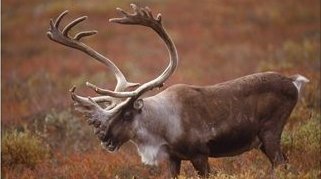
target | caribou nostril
x=108, y=141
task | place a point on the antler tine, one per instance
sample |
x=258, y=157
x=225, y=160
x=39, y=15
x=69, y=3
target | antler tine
x=122, y=11
x=84, y=34
x=91, y=109
x=136, y=9
x=109, y=92
x=89, y=106
x=85, y=102
x=72, y=24
x=62, y=37
x=149, y=12
x=143, y=16
x=97, y=99
x=58, y=20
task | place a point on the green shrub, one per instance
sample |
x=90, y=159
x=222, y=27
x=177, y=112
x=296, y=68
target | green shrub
x=65, y=131
x=22, y=148
x=304, y=137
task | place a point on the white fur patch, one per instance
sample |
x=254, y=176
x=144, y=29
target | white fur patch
x=149, y=149
x=299, y=82
x=149, y=154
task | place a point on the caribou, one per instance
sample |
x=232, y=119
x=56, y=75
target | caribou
x=183, y=122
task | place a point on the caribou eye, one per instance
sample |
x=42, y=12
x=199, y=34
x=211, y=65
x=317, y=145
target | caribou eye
x=128, y=115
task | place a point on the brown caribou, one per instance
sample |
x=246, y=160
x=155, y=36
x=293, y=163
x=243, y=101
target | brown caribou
x=184, y=122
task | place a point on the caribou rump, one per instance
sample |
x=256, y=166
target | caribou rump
x=184, y=122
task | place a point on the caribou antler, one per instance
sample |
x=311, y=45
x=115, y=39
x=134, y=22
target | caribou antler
x=89, y=106
x=63, y=38
x=144, y=16
x=92, y=110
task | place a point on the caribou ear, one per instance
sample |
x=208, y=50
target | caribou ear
x=138, y=104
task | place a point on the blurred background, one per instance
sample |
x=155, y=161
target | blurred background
x=42, y=137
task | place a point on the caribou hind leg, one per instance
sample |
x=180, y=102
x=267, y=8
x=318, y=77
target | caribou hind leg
x=271, y=148
x=270, y=136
